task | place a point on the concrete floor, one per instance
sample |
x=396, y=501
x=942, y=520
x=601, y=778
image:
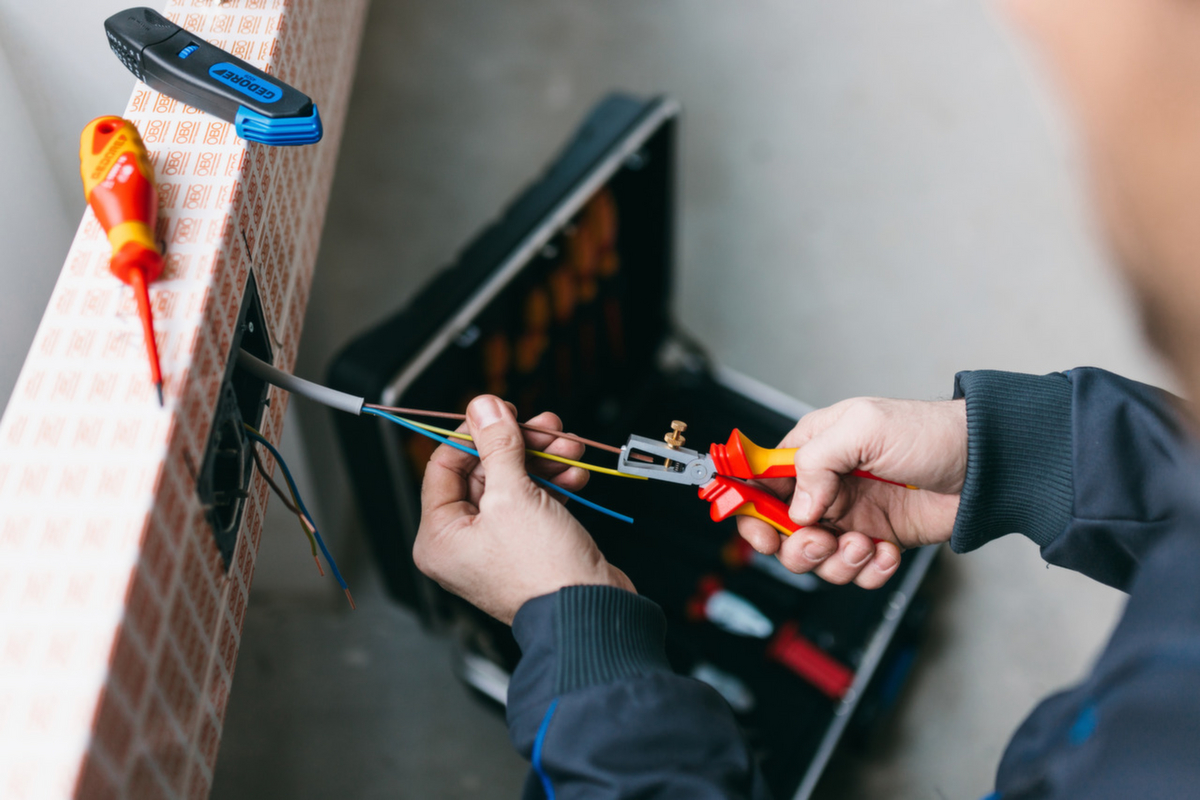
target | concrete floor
x=874, y=195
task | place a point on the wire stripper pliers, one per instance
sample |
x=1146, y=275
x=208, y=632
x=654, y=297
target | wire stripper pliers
x=722, y=473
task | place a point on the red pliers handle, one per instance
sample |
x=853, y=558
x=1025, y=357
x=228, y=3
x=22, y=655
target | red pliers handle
x=743, y=459
x=730, y=498
x=721, y=475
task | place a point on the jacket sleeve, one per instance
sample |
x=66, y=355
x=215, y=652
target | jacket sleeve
x=595, y=707
x=1132, y=727
x=1076, y=461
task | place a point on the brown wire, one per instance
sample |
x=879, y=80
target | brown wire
x=262, y=470
x=270, y=481
x=416, y=412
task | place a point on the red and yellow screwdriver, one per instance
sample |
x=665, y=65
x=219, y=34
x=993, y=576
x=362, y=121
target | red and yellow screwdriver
x=118, y=183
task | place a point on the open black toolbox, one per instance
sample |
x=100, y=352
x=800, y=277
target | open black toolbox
x=563, y=304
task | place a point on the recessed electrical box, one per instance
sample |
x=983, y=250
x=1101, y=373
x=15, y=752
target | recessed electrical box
x=228, y=461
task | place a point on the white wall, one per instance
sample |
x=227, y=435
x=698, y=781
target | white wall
x=56, y=74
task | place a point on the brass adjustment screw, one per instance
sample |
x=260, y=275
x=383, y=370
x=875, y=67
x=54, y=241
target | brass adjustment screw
x=675, y=439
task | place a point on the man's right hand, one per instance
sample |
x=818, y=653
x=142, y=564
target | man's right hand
x=860, y=526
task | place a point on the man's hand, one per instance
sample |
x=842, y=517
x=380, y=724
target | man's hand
x=492, y=536
x=861, y=526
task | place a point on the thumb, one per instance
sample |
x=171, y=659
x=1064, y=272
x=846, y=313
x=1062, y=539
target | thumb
x=498, y=439
x=820, y=465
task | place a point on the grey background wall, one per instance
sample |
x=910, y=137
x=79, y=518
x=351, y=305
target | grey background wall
x=873, y=196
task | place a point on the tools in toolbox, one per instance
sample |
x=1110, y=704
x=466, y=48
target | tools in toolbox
x=181, y=64
x=118, y=184
x=722, y=473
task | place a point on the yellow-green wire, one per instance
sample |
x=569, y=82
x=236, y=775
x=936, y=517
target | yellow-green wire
x=538, y=453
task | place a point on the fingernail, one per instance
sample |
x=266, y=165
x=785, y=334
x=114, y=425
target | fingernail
x=885, y=562
x=801, y=504
x=814, y=551
x=485, y=411
x=856, y=553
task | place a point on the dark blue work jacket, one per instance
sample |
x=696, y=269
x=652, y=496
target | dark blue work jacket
x=1096, y=469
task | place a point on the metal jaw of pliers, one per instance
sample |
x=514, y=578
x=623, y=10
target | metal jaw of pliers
x=671, y=464
x=715, y=472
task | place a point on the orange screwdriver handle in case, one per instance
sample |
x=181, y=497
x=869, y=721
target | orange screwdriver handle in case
x=728, y=498
x=118, y=183
x=742, y=458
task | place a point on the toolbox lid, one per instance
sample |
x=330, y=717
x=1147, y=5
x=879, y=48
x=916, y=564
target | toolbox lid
x=383, y=362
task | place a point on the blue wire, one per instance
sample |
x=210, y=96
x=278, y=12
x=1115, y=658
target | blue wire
x=291, y=483
x=406, y=424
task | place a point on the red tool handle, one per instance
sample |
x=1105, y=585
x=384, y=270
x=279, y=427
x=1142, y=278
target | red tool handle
x=118, y=183
x=742, y=458
x=728, y=498
x=810, y=662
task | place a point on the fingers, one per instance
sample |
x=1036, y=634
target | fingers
x=881, y=567
x=551, y=444
x=572, y=480
x=557, y=446
x=499, y=442
x=839, y=559
x=453, y=458
x=860, y=560
x=813, y=424
x=807, y=549
x=761, y=536
x=447, y=477
x=445, y=492
x=820, y=465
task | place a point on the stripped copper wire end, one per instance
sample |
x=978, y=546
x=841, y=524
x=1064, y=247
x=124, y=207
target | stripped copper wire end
x=351, y=599
x=317, y=561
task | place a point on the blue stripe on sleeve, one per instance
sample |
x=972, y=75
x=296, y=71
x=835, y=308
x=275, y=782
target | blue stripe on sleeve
x=547, y=787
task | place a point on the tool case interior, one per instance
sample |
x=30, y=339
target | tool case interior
x=563, y=304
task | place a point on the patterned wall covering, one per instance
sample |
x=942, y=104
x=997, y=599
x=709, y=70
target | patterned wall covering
x=119, y=626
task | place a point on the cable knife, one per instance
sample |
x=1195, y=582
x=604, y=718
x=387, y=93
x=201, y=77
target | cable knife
x=184, y=66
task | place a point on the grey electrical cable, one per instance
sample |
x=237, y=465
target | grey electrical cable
x=321, y=394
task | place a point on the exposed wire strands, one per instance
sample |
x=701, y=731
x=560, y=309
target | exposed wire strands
x=305, y=525
x=548, y=484
x=416, y=412
x=287, y=475
x=538, y=453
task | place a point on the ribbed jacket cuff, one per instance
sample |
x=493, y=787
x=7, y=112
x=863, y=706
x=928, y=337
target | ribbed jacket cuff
x=1019, y=477
x=606, y=634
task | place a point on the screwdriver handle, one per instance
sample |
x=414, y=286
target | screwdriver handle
x=742, y=458
x=118, y=184
x=729, y=498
